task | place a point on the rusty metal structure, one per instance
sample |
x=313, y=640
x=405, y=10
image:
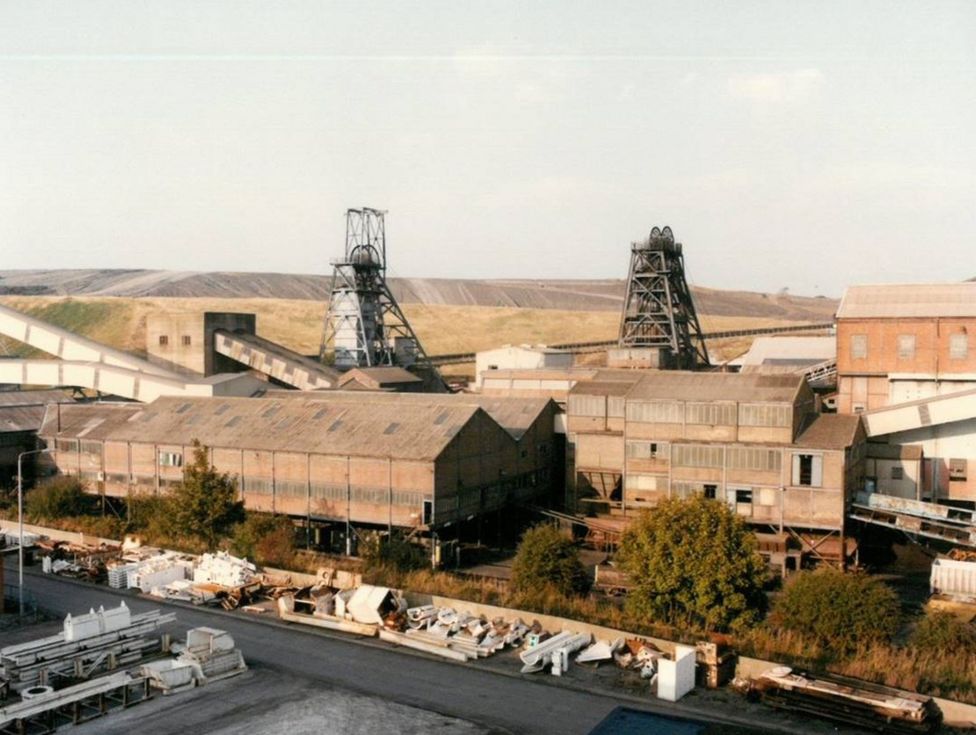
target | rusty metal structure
x=658, y=312
x=364, y=325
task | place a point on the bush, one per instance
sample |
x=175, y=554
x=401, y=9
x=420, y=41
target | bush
x=265, y=538
x=839, y=610
x=547, y=558
x=391, y=554
x=693, y=563
x=943, y=632
x=58, y=497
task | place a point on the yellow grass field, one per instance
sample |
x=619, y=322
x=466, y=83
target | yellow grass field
x=297, y=324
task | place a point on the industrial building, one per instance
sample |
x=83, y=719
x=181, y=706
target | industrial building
x=755, y=441
x=344, y=458
x=906, y=363
x=520, y=357
x=21, y=414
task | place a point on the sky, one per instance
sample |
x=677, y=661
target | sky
x=799, y=145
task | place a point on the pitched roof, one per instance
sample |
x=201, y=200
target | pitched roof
x=87, y=420
x=354, y=428
x=379, y=376
x=33, y=397
x=21, y=418
x=908, y=300
x=697, y=386
x=829, y=431
x=514, y=415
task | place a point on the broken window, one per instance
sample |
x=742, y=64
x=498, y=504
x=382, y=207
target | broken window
x=743, y=496
x=710, y=491
x=170, y=459
x=859, y=346
x=808, y=470
x=906, y=346
x=428, y=512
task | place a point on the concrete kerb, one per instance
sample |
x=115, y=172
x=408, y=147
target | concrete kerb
x=649, y=704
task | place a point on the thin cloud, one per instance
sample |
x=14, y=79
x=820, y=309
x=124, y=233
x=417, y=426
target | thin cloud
x=790, y=87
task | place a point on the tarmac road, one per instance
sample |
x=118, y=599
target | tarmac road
x=501, y=702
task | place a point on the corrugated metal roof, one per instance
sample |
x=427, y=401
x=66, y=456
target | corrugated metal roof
x=829, y=431
x=380, y=375
x=515, y=415
x=692, y=386
x=21, y=418
x=353, y=428
x=907, y=300
x=806, y=350
x=95, y=419
x=602, y=388
x=33, y=397
x=548, y=373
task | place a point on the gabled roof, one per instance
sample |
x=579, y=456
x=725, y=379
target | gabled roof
x=354, y=428
x=33, y=397
x=829, y=431
x=514, y=415
x=906, y=300
x=379, y=376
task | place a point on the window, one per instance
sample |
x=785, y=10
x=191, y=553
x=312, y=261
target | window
x=897, y=473
x=710, y=491
x=757, y=459
x=391, y=429
x=492, y=367
x=743, y=496
x=655, y=412
x=187, y=340
x=808, y=470
x=958, y=346
x=645, y=450
x=163, y=340
x=957, y=469
x=859, y=346
x=428, y=515
x=906, y=346
x=763, y=414
x=722, y=414
x=170, y=459
x=696, y=456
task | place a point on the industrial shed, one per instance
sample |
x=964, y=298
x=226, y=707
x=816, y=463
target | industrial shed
x=21, y=414
x=752, y=440
x=347, y=458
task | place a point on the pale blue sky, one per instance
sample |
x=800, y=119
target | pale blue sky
x=798, y=144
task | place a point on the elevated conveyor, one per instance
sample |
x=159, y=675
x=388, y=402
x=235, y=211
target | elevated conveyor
x=945, y=523
x=123, y=382
x=272, y=359
x=943, y=409
x=70, y=347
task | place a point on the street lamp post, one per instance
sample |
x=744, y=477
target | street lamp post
x=20, y=523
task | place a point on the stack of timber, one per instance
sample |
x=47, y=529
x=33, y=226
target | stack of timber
x=88, y=645
x=852, y=702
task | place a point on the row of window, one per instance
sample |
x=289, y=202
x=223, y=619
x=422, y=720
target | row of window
x=806, y=470
x=958, y=346
x=164, y=340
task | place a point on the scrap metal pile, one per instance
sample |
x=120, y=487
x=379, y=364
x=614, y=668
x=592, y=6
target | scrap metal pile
x=845, y=700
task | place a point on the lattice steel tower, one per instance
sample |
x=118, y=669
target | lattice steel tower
x=364, y=325
x=658, y=312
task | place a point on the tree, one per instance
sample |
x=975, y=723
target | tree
x=204, y=505
x=839, y=610
x=693, y=562
x=545, y=557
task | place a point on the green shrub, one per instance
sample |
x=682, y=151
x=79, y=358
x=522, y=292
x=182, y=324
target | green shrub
x=943, y=632
x=693, y=563
x=265, y=538
x=547, y=558
x=837, y=609
x=204, y=505
x=59, y=497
